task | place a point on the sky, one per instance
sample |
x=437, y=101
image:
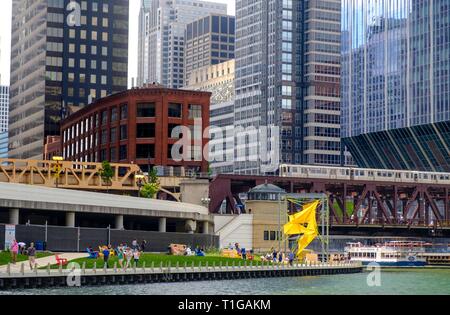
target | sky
x=5, y=35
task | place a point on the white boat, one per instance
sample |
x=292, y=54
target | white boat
x=385, y=255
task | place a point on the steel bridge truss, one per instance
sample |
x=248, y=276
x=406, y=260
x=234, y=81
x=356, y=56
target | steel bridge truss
x=351, y=202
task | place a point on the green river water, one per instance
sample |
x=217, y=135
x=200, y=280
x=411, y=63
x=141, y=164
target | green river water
x=393, y=282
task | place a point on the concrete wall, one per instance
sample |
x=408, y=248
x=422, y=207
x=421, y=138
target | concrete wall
x=65, y=239
x=193, y=190
x=238, y=230
x=221, y=220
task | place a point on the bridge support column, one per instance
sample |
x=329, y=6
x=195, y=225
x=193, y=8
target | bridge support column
x=14, y=216
x=206, y=227
x=70, y=219
x=119, y=222
x=162, y=225
x=191, y=226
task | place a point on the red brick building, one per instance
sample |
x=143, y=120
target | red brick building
x=135, y=126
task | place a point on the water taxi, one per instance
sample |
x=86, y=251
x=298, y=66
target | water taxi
x=386, y=255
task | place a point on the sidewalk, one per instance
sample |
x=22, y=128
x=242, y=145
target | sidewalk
x=42, y=262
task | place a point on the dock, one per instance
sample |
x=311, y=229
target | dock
x=51, y=278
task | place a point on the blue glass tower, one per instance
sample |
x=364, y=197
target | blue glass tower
x=395, y=83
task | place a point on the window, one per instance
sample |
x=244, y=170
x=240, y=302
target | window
x=104, y=117
x=175, y=110
x=123, y=132
x=145, y=131
x=145, y=151
x=146, y=110
x=124, y=112
x=266, y=236
x=113, y=135
x=123, y=153
x=195, y=111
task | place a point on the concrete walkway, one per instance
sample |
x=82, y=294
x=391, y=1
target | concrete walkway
x=42, y=262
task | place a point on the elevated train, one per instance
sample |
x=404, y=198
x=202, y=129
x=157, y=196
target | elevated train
x=363, y=174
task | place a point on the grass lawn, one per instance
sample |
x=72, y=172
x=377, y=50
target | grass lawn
x=5, y=257
x=157, y=259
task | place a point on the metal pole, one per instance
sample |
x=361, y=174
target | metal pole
x=78, y=240
x=322, y=214
x=46, y=231
x=279, y=223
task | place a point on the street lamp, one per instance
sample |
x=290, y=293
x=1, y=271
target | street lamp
x=58, y=160
x=140, y=182
x=206, y=201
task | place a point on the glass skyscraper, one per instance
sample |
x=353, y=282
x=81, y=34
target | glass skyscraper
x=396, y=84
x=288, y=76
x=63, y=55
x=162, y=26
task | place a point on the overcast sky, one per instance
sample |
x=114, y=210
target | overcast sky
x=5, y=35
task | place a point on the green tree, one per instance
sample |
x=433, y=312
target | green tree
x=150, y=189
x=107, y=173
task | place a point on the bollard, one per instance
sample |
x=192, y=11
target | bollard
x=206, y=266
x=22, y=269
x=35, y=269
x=115, y=267
x=95, y=267
x=161, y=266
x=214, y=266
x=134, y=267
x=177, y=266
x=83, y=268
x=143, y=266
x=192, y=266
x=60, y=269
x=105, y=267
x=200, y=266
x=48, y=268
x=153, y=267
x=185, y=266
x=220, y=265
x=233, y=265
x=8, y=269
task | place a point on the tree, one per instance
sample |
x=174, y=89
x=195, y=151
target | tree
x=150, y=189
x=107, y=173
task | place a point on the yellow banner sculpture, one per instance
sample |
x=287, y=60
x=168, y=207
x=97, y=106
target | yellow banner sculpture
x=304, y=223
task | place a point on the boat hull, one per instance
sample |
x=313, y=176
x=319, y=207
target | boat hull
x=397, y=263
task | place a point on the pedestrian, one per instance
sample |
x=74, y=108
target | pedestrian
x=31, y=251
x=280, y=257
x=291, y=257
x=143, y=245
x=14, y=248
x=128, y=256
x=274, y=256
x=244, y=254
x=136, y=256
x=106, y=254
x=120, y=255
x=134, y=244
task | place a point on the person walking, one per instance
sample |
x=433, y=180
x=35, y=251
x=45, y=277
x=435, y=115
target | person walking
x=106, y=252
x=128, y=256
x=14, y=248
x=280, y=257
x=143, y=245
x=244, y=253
x=120, y=255
x=274, y=256
x=291, y=257
x=136, y=256
x=31, y=252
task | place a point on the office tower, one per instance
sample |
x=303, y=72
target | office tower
x=4, y=105
x=208, y=41
x=219, y=80
x=63, y=55
x=287, y=76
x=161, y=38
x=396, y=86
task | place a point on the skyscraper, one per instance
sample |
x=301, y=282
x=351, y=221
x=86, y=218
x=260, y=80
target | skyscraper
x=288, y=76
x=4, y=105
x=162, y=26
x=396, y=85
x=208, y=41
x=63, y=54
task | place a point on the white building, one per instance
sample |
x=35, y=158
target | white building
x=161, y=38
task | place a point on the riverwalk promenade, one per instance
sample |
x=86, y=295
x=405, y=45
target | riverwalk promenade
x=23, y=278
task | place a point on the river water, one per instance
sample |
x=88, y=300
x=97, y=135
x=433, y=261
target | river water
x=393, y=282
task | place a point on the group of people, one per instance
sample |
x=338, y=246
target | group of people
x=242, y=252
x=279, y=257
x=125, y=254
x=17, y=248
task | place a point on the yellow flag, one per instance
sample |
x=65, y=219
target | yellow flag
x=309, y=211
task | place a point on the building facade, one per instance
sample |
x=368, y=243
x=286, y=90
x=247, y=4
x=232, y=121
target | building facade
x=287, y=77
x=219, y=80
x=139, y=126
x=208, y=41
x=63, y=55
x=396, y=85
x=4, y=108
x=162, y=28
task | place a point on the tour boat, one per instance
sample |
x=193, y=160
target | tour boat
x=385, y=255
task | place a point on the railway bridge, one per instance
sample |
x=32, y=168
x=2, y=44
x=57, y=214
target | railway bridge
x=363, y=198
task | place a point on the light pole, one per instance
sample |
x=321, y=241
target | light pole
x=58, y=160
